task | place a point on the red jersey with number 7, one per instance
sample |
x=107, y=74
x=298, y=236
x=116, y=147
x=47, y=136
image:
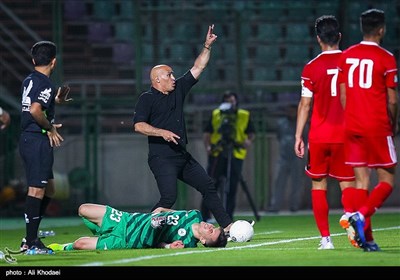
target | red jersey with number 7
x=367, y=71
x=319, y=81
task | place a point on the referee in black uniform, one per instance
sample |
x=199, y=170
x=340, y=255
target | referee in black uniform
x=159, y=115
x=38, y=137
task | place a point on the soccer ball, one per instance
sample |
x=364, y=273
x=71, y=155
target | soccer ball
x=241, y=231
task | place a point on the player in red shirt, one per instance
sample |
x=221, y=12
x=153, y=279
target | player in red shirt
x=368, y=82
x=320, y=95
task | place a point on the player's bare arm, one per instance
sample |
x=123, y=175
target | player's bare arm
x=302, y=117
x=393, y=104
x=177, y=244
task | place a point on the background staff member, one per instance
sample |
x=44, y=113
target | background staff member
x=227, y=136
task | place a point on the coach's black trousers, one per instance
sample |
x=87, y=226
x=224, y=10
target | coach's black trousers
x=167, y=170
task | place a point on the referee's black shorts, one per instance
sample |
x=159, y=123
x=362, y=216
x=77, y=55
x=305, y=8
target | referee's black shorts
x=38, y=158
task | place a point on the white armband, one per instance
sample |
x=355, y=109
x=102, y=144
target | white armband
x=167, y=246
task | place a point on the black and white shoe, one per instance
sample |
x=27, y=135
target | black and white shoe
x=36, y=248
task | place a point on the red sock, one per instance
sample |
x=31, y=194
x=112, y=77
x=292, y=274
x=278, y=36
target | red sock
x=376, y=198
x=368, y=229
x=360, y=198
x=348, y=195
x=321, y=211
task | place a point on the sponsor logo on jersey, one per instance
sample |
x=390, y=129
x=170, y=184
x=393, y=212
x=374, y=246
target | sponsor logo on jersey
x=45, y=95
x=26, y=100
x=157, y=222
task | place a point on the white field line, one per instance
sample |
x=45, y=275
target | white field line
x=190, y=252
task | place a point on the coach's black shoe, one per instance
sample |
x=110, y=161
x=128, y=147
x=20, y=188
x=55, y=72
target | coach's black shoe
x=23, y=247
x=38, y=248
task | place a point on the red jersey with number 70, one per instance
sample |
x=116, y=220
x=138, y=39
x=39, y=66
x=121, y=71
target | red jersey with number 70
x=367, y=71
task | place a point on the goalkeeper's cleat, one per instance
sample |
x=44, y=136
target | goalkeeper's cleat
x=58, y=247
x=371, y=247
x=345, y=224
x=326, y=243
x=357, y=222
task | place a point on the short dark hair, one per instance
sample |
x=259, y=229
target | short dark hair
x=371, y=20
x=43, y=52
x=221, y=241
x=228, y=94
x=327, y=29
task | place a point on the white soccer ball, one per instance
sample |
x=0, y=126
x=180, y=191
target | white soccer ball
x=241, y=231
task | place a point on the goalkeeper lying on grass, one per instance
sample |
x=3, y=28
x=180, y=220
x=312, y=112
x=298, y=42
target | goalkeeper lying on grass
x=163, y=228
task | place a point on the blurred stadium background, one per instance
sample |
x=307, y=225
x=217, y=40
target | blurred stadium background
x=106, y=49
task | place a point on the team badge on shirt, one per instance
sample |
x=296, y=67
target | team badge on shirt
x=181, y=232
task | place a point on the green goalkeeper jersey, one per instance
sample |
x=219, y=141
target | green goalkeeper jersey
x=123, y=230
